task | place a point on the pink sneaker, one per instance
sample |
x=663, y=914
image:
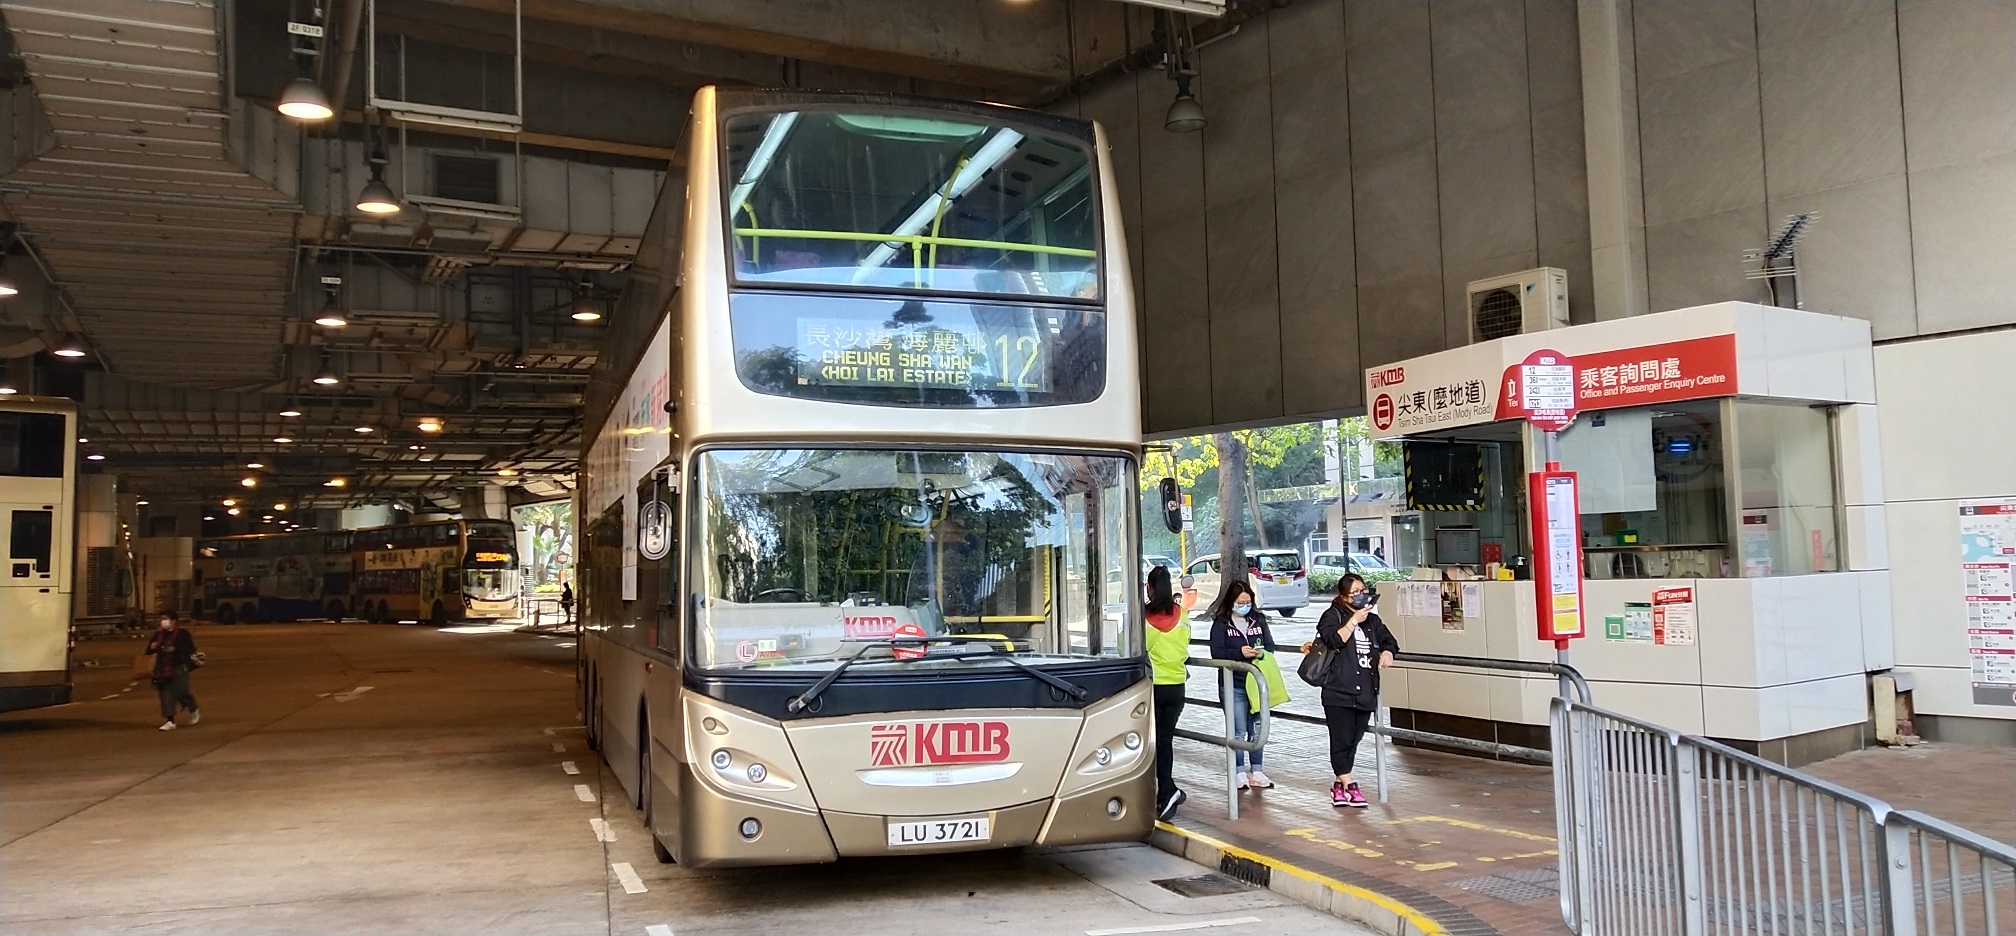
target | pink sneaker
x=1338, y=796
x=1355, y=797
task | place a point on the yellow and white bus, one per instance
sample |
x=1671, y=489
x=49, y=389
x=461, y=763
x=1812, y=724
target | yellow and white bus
x=851, y=505
x=38, y=524
x=438, y=573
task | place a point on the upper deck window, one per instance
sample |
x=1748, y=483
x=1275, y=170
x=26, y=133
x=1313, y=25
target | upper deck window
x=895, y=200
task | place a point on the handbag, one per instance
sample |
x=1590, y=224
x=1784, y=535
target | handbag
x=196, y=660
x=1316, y=664
x=1277, y=689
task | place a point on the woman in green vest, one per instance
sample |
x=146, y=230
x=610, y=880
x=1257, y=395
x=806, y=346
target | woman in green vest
x=1169, y=654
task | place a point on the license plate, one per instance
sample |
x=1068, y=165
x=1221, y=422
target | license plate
x=937, y=832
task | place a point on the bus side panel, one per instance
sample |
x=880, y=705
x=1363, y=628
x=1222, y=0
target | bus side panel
x=621, y=671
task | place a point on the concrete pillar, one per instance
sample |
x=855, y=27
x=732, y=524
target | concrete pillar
x=1611, y=145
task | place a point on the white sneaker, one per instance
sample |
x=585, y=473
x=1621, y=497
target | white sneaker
x=1256, y=778
x=1242, y=780
x=168, y=725
x=197, y=716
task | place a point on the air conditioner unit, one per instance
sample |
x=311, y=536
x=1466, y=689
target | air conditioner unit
x=1518, y=304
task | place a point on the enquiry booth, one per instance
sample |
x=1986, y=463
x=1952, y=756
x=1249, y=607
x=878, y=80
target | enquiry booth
x=1724, y=587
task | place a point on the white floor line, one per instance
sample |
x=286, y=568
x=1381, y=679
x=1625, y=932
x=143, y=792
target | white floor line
x=568, y=766
x=657, y=929
x=559, y=748
x=352, y=694
x=1172, y=927
x=632, y=884
x=547, y=731
x=604, y=832
x=582, y=793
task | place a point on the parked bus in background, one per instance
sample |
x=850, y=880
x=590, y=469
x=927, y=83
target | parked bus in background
x=38, y=522
x=272, y=577
x=438, y=573
x=856, y=475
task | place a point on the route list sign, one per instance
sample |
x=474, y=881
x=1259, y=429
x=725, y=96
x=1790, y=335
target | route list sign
x=1988, y=568
x=1544, y=385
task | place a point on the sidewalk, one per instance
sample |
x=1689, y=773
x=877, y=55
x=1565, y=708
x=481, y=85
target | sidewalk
x=1469, y=843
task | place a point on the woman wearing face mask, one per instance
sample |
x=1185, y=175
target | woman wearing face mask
x=1362, y=647
x=1239, y=632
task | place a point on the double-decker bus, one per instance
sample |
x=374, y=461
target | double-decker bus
x=272, y=577
x=849, y=504
x=439, y=573
x=38, y=524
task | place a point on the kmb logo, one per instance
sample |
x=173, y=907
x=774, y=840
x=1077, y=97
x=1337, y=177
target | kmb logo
x=1391, y=376
x=920, y=743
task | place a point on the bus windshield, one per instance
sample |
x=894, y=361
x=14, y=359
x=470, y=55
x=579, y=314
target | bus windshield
x=806, y=553
x=909, y=201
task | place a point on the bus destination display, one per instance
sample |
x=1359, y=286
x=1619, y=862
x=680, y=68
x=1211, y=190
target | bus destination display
x=961, y=356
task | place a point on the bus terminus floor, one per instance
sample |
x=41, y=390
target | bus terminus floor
x=38, y=524
x=859, y=511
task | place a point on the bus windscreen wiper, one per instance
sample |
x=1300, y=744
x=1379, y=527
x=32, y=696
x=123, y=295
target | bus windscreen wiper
x=1071, y=689
x=803, y=699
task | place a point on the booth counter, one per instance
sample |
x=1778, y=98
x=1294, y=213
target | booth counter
x=1733, y=577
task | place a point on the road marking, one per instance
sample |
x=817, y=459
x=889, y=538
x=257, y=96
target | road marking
x=582, y=793
x=657, y=929
x=547, y=732
x=568, y=765
x=112, y=696
x=559, y=748
x=603, y=831
x=1172, y=927
x=352, y=694
x=632, y=884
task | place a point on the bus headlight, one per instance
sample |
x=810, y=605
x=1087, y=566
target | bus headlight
x=758, y=773
x=722, y=759
x=1133, y=741
x=1103, y=756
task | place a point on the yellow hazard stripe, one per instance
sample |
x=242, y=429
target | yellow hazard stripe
x=1417, y=921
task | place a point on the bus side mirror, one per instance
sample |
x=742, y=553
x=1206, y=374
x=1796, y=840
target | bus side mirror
x=1172, y=506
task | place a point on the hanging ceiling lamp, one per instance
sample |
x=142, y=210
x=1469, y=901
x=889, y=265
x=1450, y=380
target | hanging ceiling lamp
x=377, y=197
x=302, y=99
x=69, y=347
x=586, y=309
x=1185, y=114
x=331, y=315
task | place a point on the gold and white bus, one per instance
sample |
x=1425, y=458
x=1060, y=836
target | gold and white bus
x=440, y=572
x=859, y=498
x=38, y=524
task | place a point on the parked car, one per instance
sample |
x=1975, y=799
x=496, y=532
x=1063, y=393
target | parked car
x=1279, y=581
x=1360, y=562
x=1148, y=564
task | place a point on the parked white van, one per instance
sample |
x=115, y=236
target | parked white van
x=1277, y=577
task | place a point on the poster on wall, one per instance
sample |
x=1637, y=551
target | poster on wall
x=1452, y=607
x=1987, y=560
x=1673, y=617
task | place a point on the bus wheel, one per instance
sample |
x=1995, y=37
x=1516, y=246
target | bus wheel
x=1288, y=612
x=440, y=616
x=336, y=611
x=645, y=782
x=591, y=716
x=225, y=615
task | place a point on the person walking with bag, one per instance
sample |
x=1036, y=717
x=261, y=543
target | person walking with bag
x=1168, y=638
x=1239, y=632
x=175, y=655
x=1359, y=646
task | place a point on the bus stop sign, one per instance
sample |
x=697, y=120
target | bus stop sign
x=1543, y=387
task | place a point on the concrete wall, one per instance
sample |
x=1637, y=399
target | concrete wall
x=1366, y=158
x=1935, y=452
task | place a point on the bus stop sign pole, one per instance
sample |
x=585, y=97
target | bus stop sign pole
x=1544, y=387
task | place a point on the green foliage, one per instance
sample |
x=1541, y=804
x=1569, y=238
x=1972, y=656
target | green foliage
x=1324, y=581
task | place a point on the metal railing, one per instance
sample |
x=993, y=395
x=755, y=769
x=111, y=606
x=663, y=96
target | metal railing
x=1229, y=696
x=1662, y=832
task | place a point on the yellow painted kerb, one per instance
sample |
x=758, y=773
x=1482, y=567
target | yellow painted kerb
x=1421, y=922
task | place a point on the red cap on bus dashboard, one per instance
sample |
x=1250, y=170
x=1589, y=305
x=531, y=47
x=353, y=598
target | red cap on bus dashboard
x=907, y=653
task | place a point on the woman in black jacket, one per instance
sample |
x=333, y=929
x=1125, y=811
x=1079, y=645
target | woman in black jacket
x=173, y=648
x=1239, y=632
x=1361, y=647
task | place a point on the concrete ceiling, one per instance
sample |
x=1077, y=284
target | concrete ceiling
x=185, y=227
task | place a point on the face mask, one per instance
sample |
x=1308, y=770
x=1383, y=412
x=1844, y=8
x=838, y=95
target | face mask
x=1360, y=600
x=1242, y=608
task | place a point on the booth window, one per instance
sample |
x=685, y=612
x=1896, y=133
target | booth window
x=1785, y=516
x=1654, y=493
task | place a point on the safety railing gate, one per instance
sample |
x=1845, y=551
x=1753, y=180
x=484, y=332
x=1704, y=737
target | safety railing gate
x=1662, y=832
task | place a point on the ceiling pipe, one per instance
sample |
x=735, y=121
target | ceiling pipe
x=338, y=81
